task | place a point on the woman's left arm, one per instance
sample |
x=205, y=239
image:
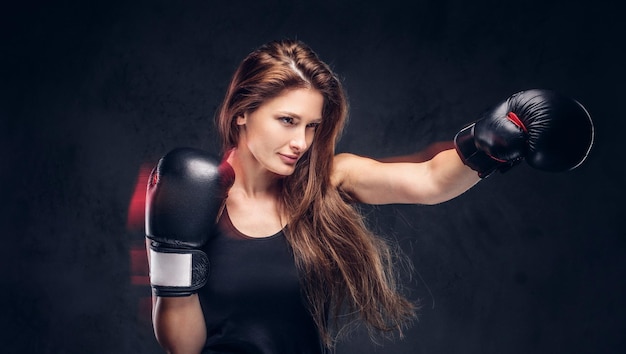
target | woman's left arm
x=435, y=180
x=550, y=131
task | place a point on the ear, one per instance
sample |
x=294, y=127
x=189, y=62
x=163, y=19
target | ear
x=241, y=119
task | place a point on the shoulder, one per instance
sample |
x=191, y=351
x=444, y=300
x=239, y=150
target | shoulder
x=339, y=171
x=347, y=166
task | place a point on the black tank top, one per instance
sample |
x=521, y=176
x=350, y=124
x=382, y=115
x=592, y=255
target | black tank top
x=252, y=302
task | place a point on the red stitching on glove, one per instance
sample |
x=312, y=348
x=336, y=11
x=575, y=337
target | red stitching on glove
x=515, y=119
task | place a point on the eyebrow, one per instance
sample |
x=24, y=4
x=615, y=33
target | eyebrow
x=294, y=115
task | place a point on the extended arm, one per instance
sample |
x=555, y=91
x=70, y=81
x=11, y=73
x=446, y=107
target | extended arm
x=433, y=181
x=551, y=132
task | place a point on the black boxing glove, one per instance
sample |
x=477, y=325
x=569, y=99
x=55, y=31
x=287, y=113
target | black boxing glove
x=185, y=193
x=550, y=131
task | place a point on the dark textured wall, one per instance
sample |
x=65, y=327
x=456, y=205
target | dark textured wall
x=525, y=262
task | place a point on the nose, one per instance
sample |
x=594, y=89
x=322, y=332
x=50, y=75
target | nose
x=298, y=142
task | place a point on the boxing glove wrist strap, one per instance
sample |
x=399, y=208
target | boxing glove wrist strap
x=177, y=272
x=471, y=156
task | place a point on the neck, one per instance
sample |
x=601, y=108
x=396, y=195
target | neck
x=251, y=178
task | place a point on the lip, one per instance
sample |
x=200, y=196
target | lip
x=289, y=159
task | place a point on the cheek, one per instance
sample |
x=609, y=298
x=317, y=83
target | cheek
x=310, y=134
x=262, y=141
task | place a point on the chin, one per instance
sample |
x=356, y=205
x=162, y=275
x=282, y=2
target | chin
x=284, y=172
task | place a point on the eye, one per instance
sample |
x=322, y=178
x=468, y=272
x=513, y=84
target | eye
x=313, y=125
x=286, y=120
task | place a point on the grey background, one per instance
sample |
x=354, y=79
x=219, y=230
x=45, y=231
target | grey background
x=525, y=262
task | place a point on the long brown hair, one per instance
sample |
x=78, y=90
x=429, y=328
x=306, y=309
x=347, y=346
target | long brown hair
x=346, y=271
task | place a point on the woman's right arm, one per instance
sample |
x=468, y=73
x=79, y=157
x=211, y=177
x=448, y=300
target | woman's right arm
x=184, y=195
x=178, y=321
x=179, y=324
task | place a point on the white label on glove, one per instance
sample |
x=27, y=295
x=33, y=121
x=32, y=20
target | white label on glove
x=170, y=269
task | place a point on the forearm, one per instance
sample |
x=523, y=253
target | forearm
x=179, y=324
x=447, y=172
x=449, y=176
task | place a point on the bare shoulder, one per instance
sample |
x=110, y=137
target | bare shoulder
x=338, y=174
x=345, y=164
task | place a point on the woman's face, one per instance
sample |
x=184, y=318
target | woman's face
x=281, y=130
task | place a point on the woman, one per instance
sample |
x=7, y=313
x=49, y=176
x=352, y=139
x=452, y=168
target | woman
x=292, y=262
